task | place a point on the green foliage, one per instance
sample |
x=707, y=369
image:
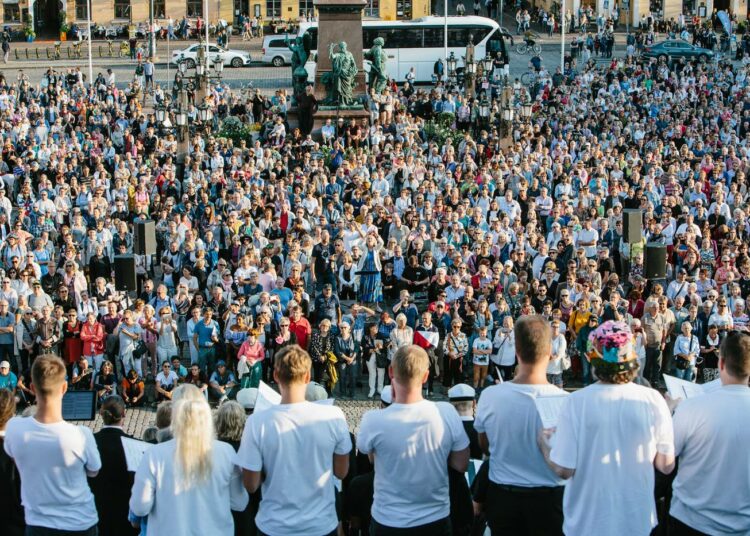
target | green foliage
x=236, y=130
x=441, y=128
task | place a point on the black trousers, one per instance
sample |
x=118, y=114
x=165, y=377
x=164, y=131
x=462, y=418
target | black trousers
x=441, y=527
x=678, y=528
x=516, y=511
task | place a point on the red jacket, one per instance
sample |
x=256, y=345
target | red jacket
x=93, y=339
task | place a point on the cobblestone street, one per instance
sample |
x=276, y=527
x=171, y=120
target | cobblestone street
x=136, y=421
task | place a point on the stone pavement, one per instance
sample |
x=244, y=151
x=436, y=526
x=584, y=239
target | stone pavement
x=137, y=420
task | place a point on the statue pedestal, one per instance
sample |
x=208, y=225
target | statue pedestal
x=339, y=20
x=321, y=116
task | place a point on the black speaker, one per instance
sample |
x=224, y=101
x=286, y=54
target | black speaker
x=632, y=223
x=144, y=240
x=655, y=262
x=125, y=278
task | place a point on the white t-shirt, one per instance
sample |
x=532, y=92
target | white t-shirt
x=203, y=508
x=610, y=434
x=169, y=379
x=712, y=487
x=294, y=445
x=52, y=461
x=508, y=415
x=411, y=443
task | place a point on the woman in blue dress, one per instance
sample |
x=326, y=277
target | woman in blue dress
x=368, y=269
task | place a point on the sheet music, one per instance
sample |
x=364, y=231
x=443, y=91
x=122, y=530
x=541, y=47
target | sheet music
x=134, y=451
x=678, y=388
x=267, y=397
x=473, y=469
x=549, y=408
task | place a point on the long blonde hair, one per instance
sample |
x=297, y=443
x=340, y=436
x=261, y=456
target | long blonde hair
x=193, y=431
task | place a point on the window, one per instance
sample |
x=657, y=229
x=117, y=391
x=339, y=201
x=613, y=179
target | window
x=306, y=8
x=11, y=13
x=82, y=12
x=122, y=9
x=372, y=9
x=160, y=9
x=395, y=37
x=434, y=37
x=459, y=37
x=194, y=8
x=273, y=9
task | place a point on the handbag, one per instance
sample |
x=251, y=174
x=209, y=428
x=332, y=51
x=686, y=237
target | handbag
x=681, y=363
x=140, y=349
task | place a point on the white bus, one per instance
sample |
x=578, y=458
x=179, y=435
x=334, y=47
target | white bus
x=420, y=43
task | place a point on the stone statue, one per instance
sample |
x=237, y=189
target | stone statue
x=300, y=54
x=340, y=81
x=377, y=78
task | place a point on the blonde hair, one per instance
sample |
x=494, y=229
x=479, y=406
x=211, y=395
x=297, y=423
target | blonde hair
x=193, y=431
x=292, y=364
x=410, y=363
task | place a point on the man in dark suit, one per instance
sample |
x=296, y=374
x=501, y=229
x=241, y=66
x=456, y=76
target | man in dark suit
x=111, y=487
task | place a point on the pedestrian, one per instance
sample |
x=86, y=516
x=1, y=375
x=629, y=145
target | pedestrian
x=192, y=472
x=296, y=498
x=583, y=438
x=522, y=491
x=53, y=458
x=6, y=50
x=435, y=438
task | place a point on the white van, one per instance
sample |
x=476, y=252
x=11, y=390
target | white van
x=275, y=52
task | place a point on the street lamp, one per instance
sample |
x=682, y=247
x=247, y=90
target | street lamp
x=471, y=67
x=161, y=113
x=508, y=114
x=526, y=109
x=205, y=114
x=218, y=65
x=487, y=65
x=451, y=61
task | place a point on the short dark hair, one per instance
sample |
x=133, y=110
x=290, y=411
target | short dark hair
x=735, y=351
x=533, y=339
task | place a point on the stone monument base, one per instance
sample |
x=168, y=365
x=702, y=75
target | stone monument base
x=334, y=115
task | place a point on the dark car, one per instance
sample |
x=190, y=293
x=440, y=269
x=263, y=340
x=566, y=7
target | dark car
x=676, y=48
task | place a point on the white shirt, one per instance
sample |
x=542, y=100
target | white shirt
x=711, y=492
x=294, y=445
x=559, y=348
x=610, y=434
x=204, y=508
x=52, y=460
x=508, y=415
x=411, y=444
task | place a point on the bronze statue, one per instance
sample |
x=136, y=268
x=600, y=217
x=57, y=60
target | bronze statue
x=300, y=54
x=340, y=81
x=377, y=77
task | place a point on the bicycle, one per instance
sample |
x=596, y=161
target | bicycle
x=528, y=46
x=529, y=78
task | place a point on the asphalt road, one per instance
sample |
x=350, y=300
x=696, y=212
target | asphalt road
x=264, y=77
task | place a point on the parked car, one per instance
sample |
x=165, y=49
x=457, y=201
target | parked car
x=677, y=48
x=233, y=58
x=275, y=52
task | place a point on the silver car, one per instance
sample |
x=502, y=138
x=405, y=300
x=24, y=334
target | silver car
x=275, y=52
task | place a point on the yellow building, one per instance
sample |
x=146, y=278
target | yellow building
x=46, y=13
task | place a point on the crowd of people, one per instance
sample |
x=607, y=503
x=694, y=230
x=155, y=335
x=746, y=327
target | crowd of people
x=355, y=248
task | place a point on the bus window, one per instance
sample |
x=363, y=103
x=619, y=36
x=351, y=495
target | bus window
x=496, y=44
x=434, y=37
x=459, y=37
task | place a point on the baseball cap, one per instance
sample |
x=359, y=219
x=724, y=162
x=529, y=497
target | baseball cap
x=461, y=392
x=247, y=397
x=4, y=364
x=386, y=395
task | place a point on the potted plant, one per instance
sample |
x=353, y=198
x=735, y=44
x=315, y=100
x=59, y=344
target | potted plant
x=29, y=32
x=64, y=27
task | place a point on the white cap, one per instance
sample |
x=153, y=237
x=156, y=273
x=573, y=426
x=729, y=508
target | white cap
x=4, y=364
x=247, y=397
x=315, y=392
x=461, y=392
x=386, y=395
